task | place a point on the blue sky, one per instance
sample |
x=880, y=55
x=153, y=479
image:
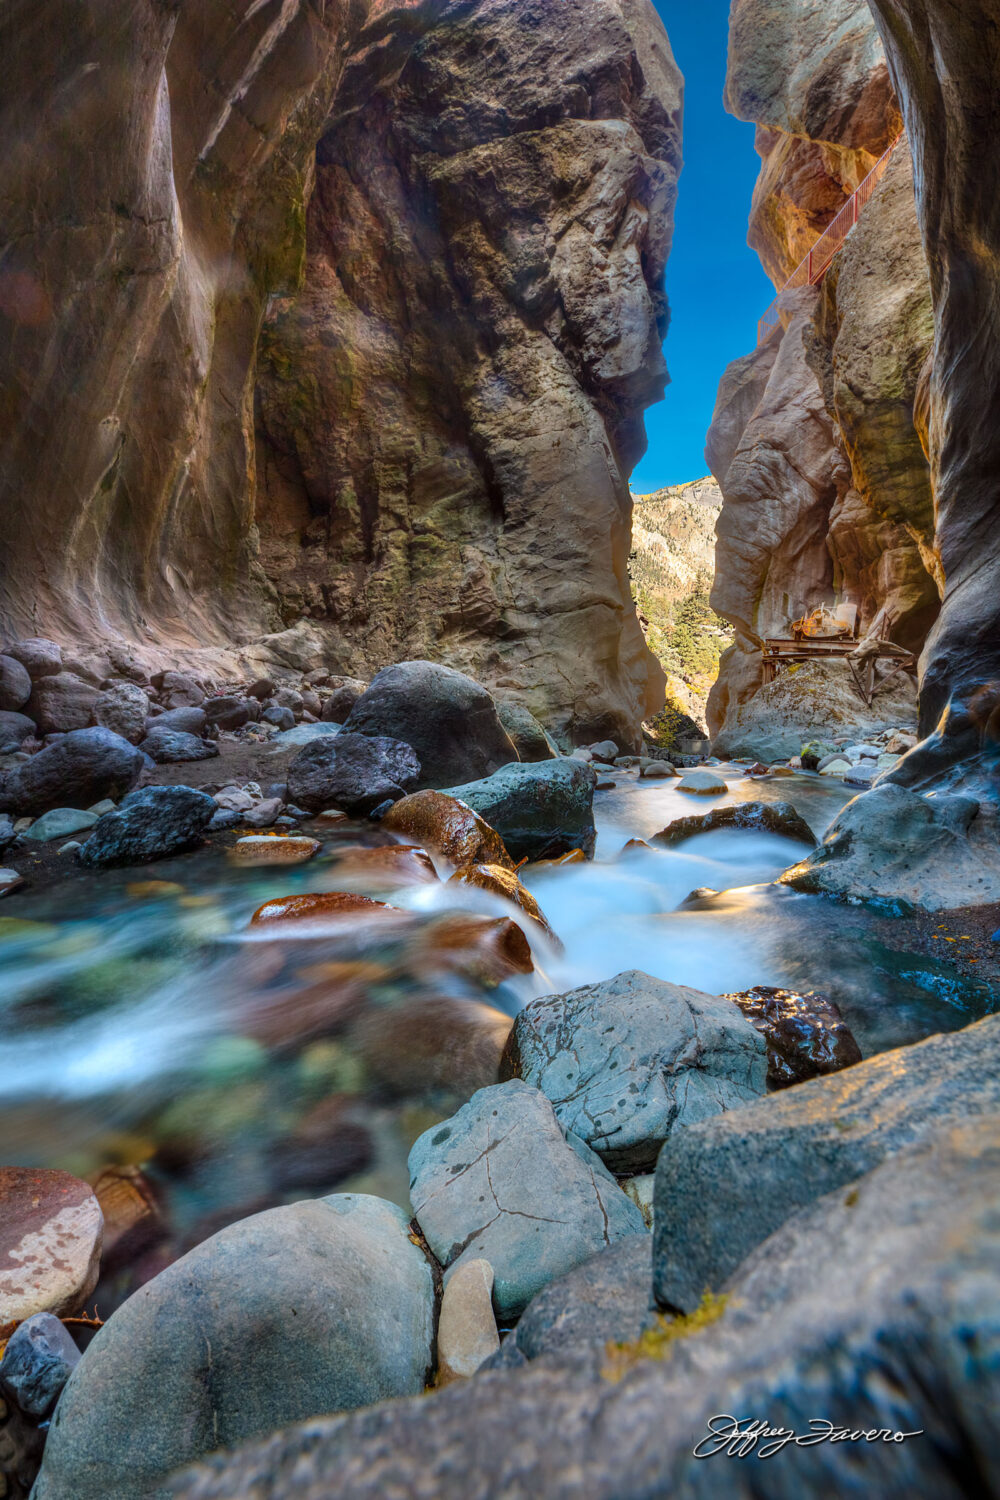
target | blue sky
x=715, y=283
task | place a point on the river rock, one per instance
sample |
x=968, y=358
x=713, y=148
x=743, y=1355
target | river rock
x=467, y=1329
x=169, y=747
x=329, y=906
x=609, y=1298
x=772, y=1158
x=451, y=722
x=806, y=1035
x=39, y=657
x=15, y=685
x=75, y=771
x=61, y=703
x=703, y=783
x=179, y=720
x=538, y=810
x=628, y=1062
x=60, y=823
x=39, y=1358
x=50, y=1243
x=123, y=708
x=260, y=849
x=10, y=881
x=502, y=883
x=936, y=851
x=150, y=824
x=448, y=828
x=529, y=738
x=177, y=690
x=437, y=1047
x=353, y=772
x=281, y=718
x=320, y=1307
x=487, y=950
x=7, y=834
x=769, y=817
x=871, y=1308
x=338, y=705
x=656, y=770
x=14, y=730
x=605, y=751
x=500, y=1180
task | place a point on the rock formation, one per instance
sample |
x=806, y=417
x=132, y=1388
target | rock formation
x=815, y=439
x=347, y=311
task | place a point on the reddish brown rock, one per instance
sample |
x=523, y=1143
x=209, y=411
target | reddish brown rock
x=485, y=949
x=504, y=883
x=433, y=1045
x=331, y=906
x=51, y=1232
x=447, y=828
x=394, y=866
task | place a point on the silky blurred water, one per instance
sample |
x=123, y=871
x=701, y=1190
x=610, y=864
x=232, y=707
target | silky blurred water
x=149, y=1027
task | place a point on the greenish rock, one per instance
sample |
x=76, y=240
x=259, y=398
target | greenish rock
x=150, y=824
x=501, y=1181
x=229, y=1058
x=629, y=1061
x=60, y=823
x=321, y=1307
x=541, y=810
x=531, y=740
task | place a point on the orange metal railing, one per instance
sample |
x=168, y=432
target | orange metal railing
x=820, y=258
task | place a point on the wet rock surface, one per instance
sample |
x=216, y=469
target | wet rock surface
x=770, y=817
x=149, y=824
x=38, y=1360
x=806, y=1035
x=449, y=828
x=501, y=1181
x=628, y=1062
x=538, y=810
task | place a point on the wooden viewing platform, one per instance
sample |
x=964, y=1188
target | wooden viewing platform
x=862, y=658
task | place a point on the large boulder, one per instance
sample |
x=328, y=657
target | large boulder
x=150, y=824
x=123, y=707
x=806, y=1035
x=937, y=851
x=15, y=685
x=316, y=1308
x=191, y=720
x=14, y=730
x=340, y=702
x=875, y=1312
x=353, y=772
x=83, y=767
x=765, y=1162
x=530, y=739
x=39, y=657
x=500, y=1180
x=767, y=817
x=447, y=828
x=62, y=702
x=631, y=1060
x=538, y=810
x=51, y=1229
x=451, y=722
x=173, y=746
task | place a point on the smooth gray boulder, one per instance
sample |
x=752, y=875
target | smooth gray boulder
x=353, y=772
x=938, y=851
x=609, y=1298
x=174, y=746
x=15, y=684
x=723, y=1186
x=320, y=1307
x=875, y=1310
x=182, y=720
x=62, y=702
x=630, y=1060
x=38, y=656
x=450, y=720
x=81, y=768
x=530, y=738
x=500, y=1180
x=150, y=824
x=539, y=810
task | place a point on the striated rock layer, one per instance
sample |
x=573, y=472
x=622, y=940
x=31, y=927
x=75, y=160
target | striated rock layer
x=338, y=310
x=815, y=442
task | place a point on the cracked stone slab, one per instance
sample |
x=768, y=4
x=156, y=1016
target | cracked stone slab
x=501, y=1181
x=632, y=1059
x=51, y=1230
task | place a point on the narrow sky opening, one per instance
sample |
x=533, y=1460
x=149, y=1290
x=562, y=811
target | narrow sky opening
x=715, y=283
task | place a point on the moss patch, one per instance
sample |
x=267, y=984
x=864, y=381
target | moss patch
x=658, y=1342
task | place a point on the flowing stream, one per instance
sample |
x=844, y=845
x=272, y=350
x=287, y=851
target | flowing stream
x=144, y=1024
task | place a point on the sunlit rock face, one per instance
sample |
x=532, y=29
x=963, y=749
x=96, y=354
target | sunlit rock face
x=945, y=60
x=437, y=230
x=814, y=440
x=449, y=410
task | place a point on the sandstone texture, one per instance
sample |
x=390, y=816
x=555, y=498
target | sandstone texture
x=51, y=1229
x=330, y=329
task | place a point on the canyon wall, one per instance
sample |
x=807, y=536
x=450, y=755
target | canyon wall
x=345, y=310
x=816, y=436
